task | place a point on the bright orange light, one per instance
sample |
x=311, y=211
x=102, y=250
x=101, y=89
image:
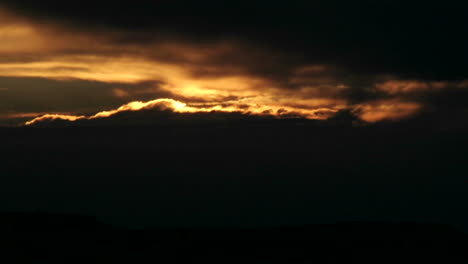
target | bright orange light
x=54, y=117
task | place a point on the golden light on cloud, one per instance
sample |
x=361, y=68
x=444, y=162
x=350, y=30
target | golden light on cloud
x=402, y=87
x=196, y=73
x=164, y=104
x=387, y=110
x=180, y=107
x=17, y=35
x=54, y=117
x=95, y=68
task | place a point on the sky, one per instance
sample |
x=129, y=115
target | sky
x=380, y=60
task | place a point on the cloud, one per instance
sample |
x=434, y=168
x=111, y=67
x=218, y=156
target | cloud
x=30, y=94
x=166, y=104
x=120, y=92
x=318, y=59
x=48, y=117
x=406, y=86
x=392, y=37
x=386, y=110
x=162, y=104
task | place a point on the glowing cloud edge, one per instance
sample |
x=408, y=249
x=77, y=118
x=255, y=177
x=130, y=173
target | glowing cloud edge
x=181, y=107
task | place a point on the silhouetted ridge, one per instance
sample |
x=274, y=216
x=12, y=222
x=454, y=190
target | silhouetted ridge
x=73, y=234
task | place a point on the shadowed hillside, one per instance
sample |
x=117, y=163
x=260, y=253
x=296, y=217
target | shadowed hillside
x=280, y=172
x=78, y=238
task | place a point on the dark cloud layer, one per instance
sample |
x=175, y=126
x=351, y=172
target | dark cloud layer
x=23, y=98
x=39, y=94
x=414, y=40
x=381, y=60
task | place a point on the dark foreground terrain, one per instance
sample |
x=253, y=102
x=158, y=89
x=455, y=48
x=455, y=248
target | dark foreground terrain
x=67, y=238
x=253, y=178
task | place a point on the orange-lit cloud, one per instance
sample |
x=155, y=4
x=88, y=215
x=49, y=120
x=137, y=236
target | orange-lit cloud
x=386, y=110
x=54, y=117
x=120, y=92
x=215, y=76
x=402, y=87
x=180, y=107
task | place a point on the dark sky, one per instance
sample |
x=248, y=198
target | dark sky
x=382, y=60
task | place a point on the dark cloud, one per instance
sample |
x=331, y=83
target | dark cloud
x=413, y=40
x=22, y=97
x=383, y=60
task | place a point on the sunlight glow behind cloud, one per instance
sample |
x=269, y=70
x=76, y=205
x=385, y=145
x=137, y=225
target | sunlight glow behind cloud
x=208, y=77
x=180, y=107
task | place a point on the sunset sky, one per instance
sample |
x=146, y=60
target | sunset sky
x=73, y=60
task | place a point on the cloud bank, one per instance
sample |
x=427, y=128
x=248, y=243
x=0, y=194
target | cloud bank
x=165, y=104
x=312, y=59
